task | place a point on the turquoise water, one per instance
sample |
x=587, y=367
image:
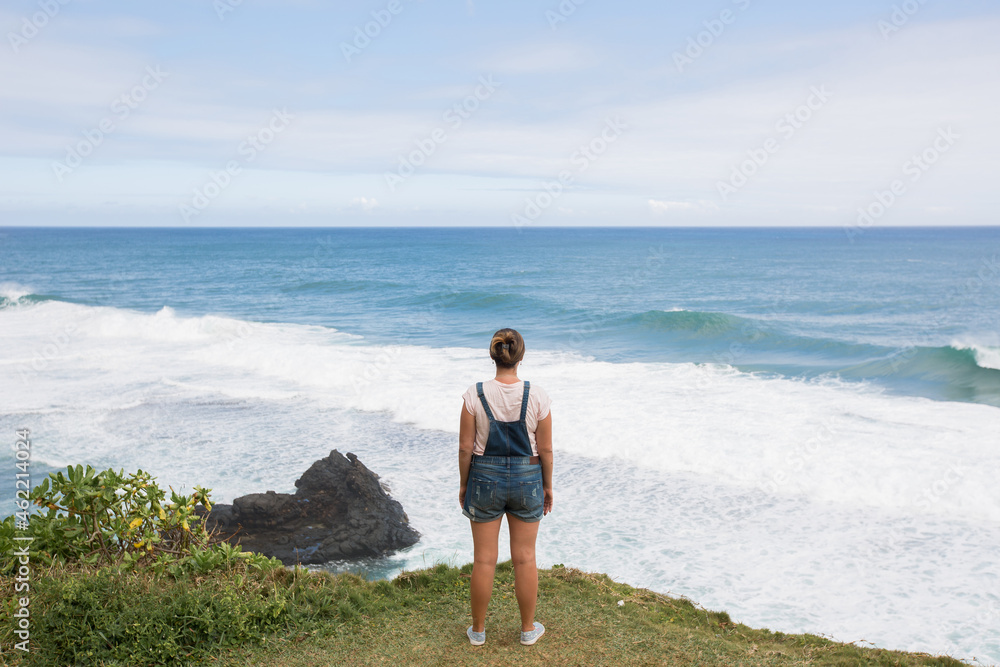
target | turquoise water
x=782, y=423
x=913, y=310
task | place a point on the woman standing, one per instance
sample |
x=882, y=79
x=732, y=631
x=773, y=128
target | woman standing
x=505, y=466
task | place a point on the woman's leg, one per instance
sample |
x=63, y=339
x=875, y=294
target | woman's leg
x=522, y=554
x=484, y=566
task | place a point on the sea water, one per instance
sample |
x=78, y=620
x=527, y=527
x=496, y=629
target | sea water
x=798, y=426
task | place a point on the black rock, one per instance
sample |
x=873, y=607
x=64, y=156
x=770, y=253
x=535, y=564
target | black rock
x=339, y=511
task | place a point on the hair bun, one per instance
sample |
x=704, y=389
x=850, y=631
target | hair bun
x=506, y=348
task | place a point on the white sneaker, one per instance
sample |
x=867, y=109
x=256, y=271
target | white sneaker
x=529, y=638
x=478, y=638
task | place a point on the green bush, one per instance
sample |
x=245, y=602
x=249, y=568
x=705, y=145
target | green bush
x=110, y=518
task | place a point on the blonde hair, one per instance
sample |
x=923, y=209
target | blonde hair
x=506, y=348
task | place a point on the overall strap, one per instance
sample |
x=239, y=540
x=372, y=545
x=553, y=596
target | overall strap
x=482, y=398
x=524, y=401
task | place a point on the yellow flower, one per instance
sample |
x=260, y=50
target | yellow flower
x=138, y=544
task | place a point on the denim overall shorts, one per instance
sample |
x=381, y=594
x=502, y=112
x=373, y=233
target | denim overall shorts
x=504, y=478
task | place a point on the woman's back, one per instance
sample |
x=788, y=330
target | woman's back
x=505, y=403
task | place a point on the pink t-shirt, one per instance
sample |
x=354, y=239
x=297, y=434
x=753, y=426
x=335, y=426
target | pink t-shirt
x=505, y=403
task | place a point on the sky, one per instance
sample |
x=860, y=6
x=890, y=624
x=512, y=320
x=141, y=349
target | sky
x=465, y=112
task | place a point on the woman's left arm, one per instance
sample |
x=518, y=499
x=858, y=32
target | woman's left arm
x=466, y=436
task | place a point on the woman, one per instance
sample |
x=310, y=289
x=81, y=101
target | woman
x=505, y=466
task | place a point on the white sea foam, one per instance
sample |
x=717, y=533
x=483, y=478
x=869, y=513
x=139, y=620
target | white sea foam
x=832, y=441
x=13, y=291
x=988, y=357
x=819, y=506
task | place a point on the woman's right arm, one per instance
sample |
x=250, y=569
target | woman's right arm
x=466, y=439
x=543, y=441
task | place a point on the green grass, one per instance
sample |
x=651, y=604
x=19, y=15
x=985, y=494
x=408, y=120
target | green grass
x=298, y=618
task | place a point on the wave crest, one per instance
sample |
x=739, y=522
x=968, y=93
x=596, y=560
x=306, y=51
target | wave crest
x=985, y=356
x=16, y=294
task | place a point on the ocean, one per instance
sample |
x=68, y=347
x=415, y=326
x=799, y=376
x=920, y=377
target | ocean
x=798, y=426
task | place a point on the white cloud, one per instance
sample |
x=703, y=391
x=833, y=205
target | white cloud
x=364, y=203
x=659, y=206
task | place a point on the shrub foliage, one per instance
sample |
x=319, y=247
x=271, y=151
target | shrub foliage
x=113, y=518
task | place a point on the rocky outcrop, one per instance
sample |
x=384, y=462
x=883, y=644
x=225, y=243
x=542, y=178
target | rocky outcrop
x=338, y=511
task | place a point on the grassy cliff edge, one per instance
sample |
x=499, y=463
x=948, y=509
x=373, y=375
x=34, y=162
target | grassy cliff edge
x=243, y=616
